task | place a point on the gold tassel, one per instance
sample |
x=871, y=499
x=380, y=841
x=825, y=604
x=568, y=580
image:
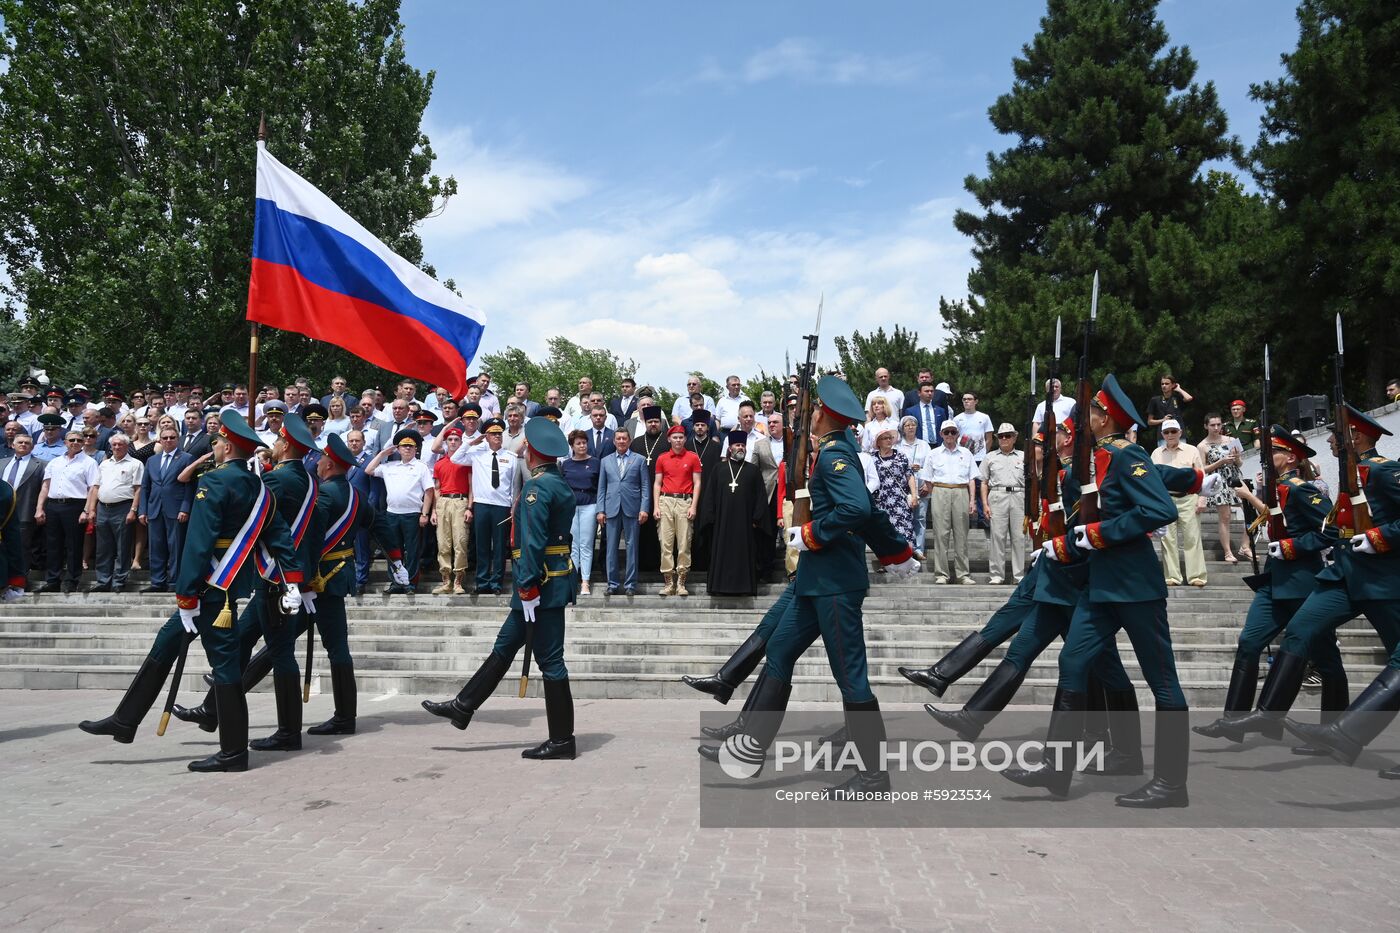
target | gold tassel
x=225, y=617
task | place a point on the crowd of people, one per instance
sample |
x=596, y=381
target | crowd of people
x=102, y=478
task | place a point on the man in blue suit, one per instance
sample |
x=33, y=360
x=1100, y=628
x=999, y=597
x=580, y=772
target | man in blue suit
x=165, y=507
x=624, y=501
x=600, y=436
x=929, y=414
x=371, y=488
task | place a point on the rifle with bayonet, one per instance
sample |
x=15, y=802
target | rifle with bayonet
x=1031, y=481
x=1350, y=514
x=800, y=430
x=1273, y=515
x=1054, y=520
x=1083, y=436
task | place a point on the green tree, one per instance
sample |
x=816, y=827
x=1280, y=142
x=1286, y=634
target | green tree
x=566, y=363
x=127, y=170
x=1110, y=136
x=899, y=352
x=1328, y=156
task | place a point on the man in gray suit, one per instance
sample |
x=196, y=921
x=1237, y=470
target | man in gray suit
x=165, y=507
x=624, y=501
x=25, y=474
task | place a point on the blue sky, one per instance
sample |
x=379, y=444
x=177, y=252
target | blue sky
x=679, y=182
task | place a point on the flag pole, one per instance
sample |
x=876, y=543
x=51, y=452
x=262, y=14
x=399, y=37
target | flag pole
x=256, y=327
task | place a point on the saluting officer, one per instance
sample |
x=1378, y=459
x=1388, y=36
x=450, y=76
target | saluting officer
x=544, y=585
x=1126, y=590
x=233, y=514
x=1363, y=579
x=1289, y=577
x=831, y=585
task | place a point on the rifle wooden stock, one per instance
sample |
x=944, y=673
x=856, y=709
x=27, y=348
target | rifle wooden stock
x=1351, y=515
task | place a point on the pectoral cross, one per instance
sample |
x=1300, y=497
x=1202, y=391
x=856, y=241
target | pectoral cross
x=733, y=484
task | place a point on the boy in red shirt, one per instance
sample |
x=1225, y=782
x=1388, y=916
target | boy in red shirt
x=454, y=484
x=676, y=493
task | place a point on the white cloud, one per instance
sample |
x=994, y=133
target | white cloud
x=808, y=61
x=495, y=188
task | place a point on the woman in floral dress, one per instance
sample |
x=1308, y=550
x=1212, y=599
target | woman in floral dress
x=1223, y=455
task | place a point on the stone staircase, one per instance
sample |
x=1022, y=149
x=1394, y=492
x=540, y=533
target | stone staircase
x=637, y=647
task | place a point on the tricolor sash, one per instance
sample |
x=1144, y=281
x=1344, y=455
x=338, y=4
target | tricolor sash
x=342, y=525
x=267, y=564
x=223, y=570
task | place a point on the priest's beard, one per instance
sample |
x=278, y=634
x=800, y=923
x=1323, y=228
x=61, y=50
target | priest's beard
x=737, y=458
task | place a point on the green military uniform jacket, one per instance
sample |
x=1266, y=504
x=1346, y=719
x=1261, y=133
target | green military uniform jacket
x=1133, y=502
x=222, y=502
x=1305, y=509
x=335, y=573
x=289, y=482
x=12, y=569
x=1247, y=432
x=1374, y=576
x=544, y=518
x=841, y=507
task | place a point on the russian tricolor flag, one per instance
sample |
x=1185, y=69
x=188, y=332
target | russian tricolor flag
x=318, y=272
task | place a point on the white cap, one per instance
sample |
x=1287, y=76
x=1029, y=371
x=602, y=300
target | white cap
x=1005, y=428
x=1171, y=424
x=944, y=387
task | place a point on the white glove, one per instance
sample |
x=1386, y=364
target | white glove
x=1081, y=538
x=399, y=572
x=13, y=593
x=527, y=606
x=308, y=602
x=1048, y=549
x=1210, y=484
x=905, y=568
x=1035, y=555
x=1276, y=550
x=187, y=617
x=291, y=599
x=1361, y=544
x=794, y=539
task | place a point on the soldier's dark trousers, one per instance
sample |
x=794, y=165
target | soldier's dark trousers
x=1051, y=621
x=1313, y=627
x=220, y=644
x=401, y=532
x=1092, y=629
x=547, y=640
x=837, y=620
x=490, y=544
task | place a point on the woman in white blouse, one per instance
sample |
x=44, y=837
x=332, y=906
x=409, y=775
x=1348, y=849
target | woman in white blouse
x=880, y=421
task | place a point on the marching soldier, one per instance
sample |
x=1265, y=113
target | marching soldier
x=830, y=587
x=294, y=494
x=1289, y=577
x=544, y=585
x=1125, y=590
x=233, y=516
x=1364, y=579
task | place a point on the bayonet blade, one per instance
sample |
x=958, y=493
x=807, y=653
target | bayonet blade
x=1032, y=378
x=1266, y=362
x=1339, y=333
x=1094, y=301
x=821, y=303
x=1057, y=338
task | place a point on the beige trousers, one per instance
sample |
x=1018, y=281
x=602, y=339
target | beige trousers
x=1187, y=529
x=452, y=534
x=1008, y=530
x=675, y=535
x=950, y=531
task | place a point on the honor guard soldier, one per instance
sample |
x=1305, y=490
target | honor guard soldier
x=12, y=565
x=831, y=584
x=294, y=495
x=544, y=585
x=1125, y=590
x=232, y=517
x=1289, y=577
x=1363, y=579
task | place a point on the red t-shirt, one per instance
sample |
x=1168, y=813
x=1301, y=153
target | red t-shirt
x=452, y=478
x=675, y=471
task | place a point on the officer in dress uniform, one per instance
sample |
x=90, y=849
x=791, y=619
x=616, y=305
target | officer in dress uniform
x=233, y=514
x=1364, y=579
x=544, y=585
x=295, y=496
x=830, y=587
x=1125, y=590
x=1289, y=577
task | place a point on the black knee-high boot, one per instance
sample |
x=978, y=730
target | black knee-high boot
x=1066, y=725
x=1123, y=740
x=984, y=705
x=1362, y=722
x=204, y=715
x=483, y=683
x=866, y=728
x=1170, y=756
x=343, y=690
x=720, y=733
x=761, y=725
x=1239, y=698
x=735, y=671
x=287, y=738
x=1275, y=699
x=1336, y=695
x=233, y=731
x=559, y=711
x=965, y=655
x=134, y=705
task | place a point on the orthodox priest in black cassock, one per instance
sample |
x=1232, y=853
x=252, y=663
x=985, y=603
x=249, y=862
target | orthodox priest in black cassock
x=710, y=450
x=650, y=444
x=735, y=503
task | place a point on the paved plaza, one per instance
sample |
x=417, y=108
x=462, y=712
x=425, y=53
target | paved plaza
x=412, y=825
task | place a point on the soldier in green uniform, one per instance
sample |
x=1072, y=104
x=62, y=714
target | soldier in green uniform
x=1363, y=579
x=831, y=584
x=544, y=584
x=295, y=496
x=1125, y=590
x=1289, y=577
x=233, y=515
x=12, y=576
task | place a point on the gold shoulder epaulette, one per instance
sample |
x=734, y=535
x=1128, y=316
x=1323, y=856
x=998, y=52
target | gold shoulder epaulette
x=1121, y=442
x=1296, y=481
x=830, y=443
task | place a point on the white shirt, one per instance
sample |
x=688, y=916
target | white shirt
x=1064, y=407
x=585, y=423
x=894, y=399
x=948, y=466
x=680, y=408
x=916, y=452
x=118, y=480
x=872, y=476
x=974, y=428
x=751, y=448
x=406, y=482
x=727, y=410
x=875, y=428
x=71, y=477
x=479, y=459
x=572, y=409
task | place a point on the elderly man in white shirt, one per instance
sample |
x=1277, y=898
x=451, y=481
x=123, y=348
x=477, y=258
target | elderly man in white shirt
x=114, y=502
x=950, y=474
x=1062, y=404
x=409, y=494
x=727, y=406
x=680, y=408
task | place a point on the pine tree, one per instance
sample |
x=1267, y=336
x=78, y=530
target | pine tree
x=1105, y=174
